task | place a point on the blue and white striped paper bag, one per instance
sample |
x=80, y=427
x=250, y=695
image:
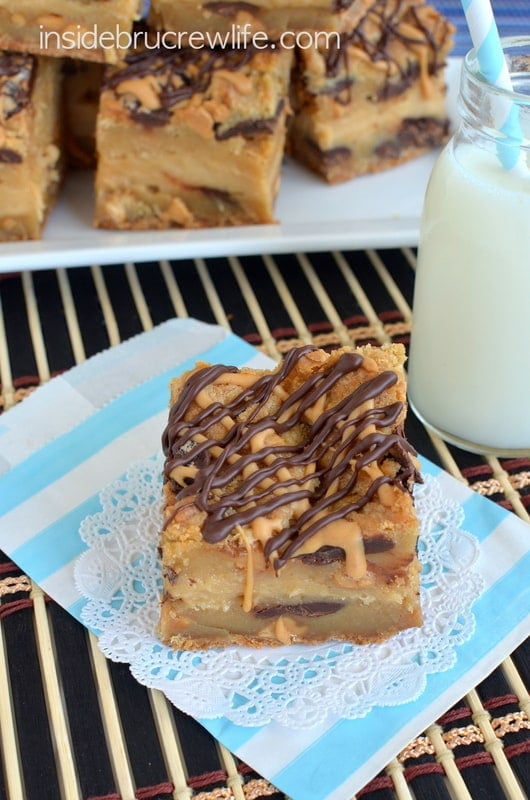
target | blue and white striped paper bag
x=81, y=431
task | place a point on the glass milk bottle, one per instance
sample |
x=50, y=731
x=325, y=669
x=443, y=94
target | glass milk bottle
x=469, y=365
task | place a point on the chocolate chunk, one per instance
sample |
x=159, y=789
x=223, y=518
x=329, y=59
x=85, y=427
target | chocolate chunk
x=377, y=544
x=250, y=127
x=329, y=157
x=340, y=5
x=230, y=9
x=195, y=456
x=192, y=454
x=8, y=156
x=325, y=555
x=17, y=74
x=150, y=119
x=216, y=194
x=316, y=609
x=171, y=575
x=329, y=554
x=177, y=488
x=388, y=150
x=425, y=132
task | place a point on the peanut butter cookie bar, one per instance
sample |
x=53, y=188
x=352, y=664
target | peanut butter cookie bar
x=74, y=28
x=191, y=138
x=237, y=18
x=376, y=101
x=82, y=87
x=288, y=508
x=30, y=146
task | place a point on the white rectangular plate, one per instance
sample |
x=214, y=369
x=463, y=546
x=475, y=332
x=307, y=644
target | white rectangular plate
x=381, y=210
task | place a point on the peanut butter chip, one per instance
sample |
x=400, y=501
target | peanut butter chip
x=179, y=212
x=200, y=120
x=242, y=83
x=369, y=364
x=263, y=528
x=145, y=90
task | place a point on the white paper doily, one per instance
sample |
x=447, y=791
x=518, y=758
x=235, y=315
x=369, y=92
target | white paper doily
x=298, y=686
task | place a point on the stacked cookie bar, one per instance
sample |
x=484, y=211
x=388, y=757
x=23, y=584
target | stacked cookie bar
x=188, y=125
x=289, y=515
x=221, y=17
x=30, y=149
x=377, y=98
x=192, y=138
x=66, y=27
x=38, y=124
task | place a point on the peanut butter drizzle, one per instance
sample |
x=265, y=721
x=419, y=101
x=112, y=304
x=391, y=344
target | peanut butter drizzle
x=252, y=476
x=343, y=533
x=248, y=591
x=385, y=492
x=284, y=629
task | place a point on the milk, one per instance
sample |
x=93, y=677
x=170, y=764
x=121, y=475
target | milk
x=469, y=365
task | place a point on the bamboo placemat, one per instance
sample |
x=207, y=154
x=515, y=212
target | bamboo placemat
x=75, y=726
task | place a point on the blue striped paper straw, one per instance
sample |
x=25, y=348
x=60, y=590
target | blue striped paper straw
x=486, y=41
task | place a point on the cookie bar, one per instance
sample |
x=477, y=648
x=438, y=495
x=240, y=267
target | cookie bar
x=82, y=86
x=288, y=508
x=376, y=101
x=238, y=18
x=74, y=28
x=191, y=138
x=30, y=146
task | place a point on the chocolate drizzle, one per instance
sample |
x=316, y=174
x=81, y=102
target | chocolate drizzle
x=375, y=35
x=315, y=609
x=425, y=132
x=354, y=431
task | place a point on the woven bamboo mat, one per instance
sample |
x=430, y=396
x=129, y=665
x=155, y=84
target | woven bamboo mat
x=76, y=727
